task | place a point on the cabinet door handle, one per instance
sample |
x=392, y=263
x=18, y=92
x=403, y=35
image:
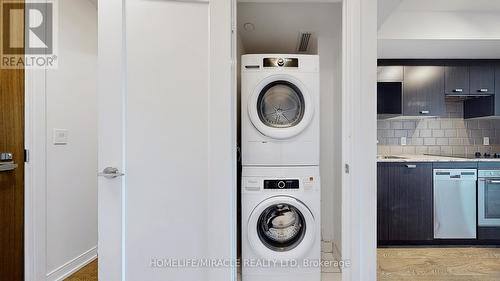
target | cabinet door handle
x=425, y=112
x=411, y=166
x=483, y=90
x=458, y=90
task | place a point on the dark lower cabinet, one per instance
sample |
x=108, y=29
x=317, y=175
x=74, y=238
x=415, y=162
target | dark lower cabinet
x=405, y=202
x=488, y=233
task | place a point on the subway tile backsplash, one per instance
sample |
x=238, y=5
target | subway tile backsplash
x=450, y=135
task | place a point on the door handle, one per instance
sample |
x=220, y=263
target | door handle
x=110, y=173
x=483, y=90
x=458, y=90
x=7, y=166
x=411, y=166
x=425, y=112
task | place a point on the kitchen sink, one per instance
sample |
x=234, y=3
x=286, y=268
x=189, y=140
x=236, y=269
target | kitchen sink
x=390, y=157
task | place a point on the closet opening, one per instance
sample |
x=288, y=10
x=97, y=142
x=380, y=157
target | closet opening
x=289, y=97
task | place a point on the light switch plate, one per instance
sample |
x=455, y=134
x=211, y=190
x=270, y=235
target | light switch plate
x=403, y=141
x=60, y=136
x=486, y=141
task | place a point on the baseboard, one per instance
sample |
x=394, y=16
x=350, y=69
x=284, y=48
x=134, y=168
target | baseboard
x=73, y=265
x=336, y=252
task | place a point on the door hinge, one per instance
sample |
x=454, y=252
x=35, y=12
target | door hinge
x=347, y=168
x=26, y=156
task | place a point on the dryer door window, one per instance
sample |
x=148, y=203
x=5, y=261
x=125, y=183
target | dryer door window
x=281, y=227
x=280, y=105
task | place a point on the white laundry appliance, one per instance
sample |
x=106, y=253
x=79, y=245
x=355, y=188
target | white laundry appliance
x=280, y=110
x=281, y=224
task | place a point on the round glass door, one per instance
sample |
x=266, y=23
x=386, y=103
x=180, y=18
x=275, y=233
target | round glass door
x=281, y=227
x=280, y=105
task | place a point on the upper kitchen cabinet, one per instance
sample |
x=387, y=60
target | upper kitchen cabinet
x=489, y=105
x=497, y=78
x=456, y=79
x=423, y=91
x=389, y=90
x=482, y=78
x=390, y=73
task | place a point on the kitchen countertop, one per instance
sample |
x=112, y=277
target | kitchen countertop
x=430, y=158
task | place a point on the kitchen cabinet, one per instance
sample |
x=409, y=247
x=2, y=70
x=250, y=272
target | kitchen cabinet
x=488, y=233
x=456, y=79
x=481, y=107
x=423, y=91
x=390, y=90
x=487, y=106
x=405, y=202
x=390, y=73
x=482, y=78
x=497, y=79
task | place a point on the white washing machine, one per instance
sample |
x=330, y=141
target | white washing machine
x=281, y=224
x=280, y=110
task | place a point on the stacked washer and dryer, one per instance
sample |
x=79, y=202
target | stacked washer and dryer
x=281, y=195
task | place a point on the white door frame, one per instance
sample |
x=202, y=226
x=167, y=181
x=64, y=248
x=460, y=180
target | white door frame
x=35, y=184
x=359, y=189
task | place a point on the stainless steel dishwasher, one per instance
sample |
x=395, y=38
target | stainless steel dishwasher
x=455, y=208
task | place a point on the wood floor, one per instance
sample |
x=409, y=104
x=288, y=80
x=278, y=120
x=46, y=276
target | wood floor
x=88, y=273
x=439, y=264
x=410, y=264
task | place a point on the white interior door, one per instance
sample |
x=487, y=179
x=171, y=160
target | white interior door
x=167, y=121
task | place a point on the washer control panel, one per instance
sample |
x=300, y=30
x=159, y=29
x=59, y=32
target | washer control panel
x=281, y=62
x=282, y=184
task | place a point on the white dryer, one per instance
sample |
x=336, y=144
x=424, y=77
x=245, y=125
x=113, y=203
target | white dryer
x=280, y=110
x=281, y=224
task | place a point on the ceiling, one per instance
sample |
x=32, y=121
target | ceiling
x=450, y=5
x=385, y=9
x=439, y=29
x=289, y=1
x=277, y=25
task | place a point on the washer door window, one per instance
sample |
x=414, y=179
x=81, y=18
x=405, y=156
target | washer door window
x=280, y=107
x=281, y=227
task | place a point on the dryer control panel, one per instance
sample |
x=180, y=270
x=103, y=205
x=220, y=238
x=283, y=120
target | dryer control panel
x=282, y=184
x=281, y=62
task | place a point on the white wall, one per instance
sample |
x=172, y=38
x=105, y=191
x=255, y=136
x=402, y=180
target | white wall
x=71, y=169
x=330, y=52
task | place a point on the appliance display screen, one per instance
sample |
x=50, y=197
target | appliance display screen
x=281, y=184
x=281, y=62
